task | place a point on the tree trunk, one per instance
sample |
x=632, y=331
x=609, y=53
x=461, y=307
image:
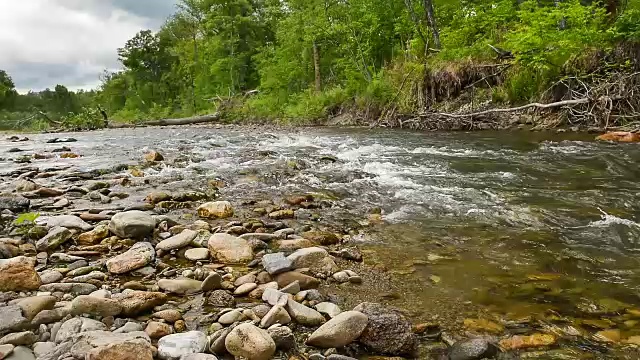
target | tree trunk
x=170, y=122
x=431, y=21
x=316, y=67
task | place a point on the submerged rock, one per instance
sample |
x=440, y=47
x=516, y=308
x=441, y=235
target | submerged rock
x=180, y=286
x=474, y=349
x=388, y=331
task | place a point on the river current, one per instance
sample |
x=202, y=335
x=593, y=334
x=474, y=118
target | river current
x=505, y=225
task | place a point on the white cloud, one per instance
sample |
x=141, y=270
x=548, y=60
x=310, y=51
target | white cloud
x=69, y=42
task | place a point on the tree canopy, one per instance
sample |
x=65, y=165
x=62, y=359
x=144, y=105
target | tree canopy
x=308, y=56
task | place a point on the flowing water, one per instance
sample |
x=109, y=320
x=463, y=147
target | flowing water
x=509, y=226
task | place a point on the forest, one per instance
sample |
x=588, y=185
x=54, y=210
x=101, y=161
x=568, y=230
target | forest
x=429, y=63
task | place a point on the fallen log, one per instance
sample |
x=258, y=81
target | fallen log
x=170, y=122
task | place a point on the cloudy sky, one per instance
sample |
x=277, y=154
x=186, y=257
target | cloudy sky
x=71, y=42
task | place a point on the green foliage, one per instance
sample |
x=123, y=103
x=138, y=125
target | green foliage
x=627, y=26
x=362, y=53
x=26, y=218
x=25, y=222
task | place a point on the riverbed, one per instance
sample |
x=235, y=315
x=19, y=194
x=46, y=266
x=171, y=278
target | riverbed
x=533, y=232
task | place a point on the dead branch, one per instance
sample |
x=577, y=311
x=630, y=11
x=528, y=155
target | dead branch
x=524, y=107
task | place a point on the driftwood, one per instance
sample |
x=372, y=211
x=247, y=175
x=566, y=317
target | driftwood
x=170, y=122
x=525, y=107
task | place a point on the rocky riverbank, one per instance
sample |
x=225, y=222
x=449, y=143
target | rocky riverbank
x=92, y=268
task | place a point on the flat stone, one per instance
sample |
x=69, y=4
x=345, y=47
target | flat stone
x=199, y=357
x=180, y=286
x=276, y=263
x=306, y=282
x=231, y=317
x=172, y=347
x=95, y=306
x=66, y=221
x=178, y=241
x=197, y=254
x=18, y=274
x=6, y=350
x=128, y=328
x=12, y=318
x=277, y=315
x=56, y=237
x=72, y=288
x=138, y=256
x=42, y=348
x=274, y=297
x=304, y=315
x=74, y=326
x=292, y=288
x=340, y=331
x=21, y=353
x=26, y=338
x=330, y=309
x=245, y=289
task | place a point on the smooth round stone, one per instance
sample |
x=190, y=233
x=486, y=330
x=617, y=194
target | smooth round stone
x=197, y=254
x=245, y=289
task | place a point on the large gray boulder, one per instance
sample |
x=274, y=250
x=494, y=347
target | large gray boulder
x=132, y=224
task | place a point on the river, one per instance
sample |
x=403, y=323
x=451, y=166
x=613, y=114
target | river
x=530, y=230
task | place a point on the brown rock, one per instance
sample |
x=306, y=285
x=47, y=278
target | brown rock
x=18, y=274
x=133, y=350
x=306, y=281
x=153, y=155
x=526, y=342
x=94, y=236
x=138, y=302
x=322, y=237
x=156, y=330
x=170, y=316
